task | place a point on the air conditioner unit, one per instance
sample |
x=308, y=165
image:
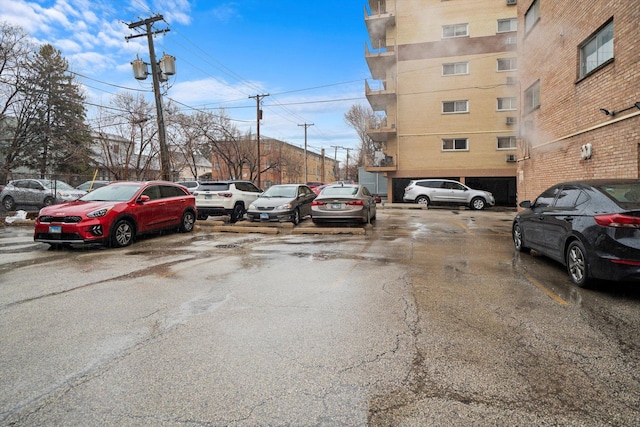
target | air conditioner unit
x=511, y=120
x=512, y=2
x=511, y=158
x=512, y=80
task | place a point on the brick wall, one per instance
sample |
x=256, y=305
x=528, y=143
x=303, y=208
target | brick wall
x=569, y=115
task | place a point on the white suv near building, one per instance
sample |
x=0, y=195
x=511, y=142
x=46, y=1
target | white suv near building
x=215, y=198
x=446, y=191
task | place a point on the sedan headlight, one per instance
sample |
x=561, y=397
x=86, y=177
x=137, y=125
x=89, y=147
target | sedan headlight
x=99, y=212
x=285, y=207
x=252, y=207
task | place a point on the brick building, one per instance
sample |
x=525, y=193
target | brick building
x=579, y=81
x=444, y=92
x=282, y=163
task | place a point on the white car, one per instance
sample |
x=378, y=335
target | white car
x=446, y=191
x=215, y=198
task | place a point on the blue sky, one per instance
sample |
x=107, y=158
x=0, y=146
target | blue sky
x=308, y=55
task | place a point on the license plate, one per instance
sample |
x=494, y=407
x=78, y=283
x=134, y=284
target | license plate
x=207, y=196
x=335, y=205
x=55, y=229
x=264, y=216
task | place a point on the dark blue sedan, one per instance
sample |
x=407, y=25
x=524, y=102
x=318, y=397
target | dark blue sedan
x=592, y=227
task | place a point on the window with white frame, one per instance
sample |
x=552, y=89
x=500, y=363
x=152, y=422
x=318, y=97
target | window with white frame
x=597, y=50
x=532, y=16
x=455, y=144
x=457, y=30
x=532, y=97
x=506, y=142
x=507, y=25
x=506, y=104
x=455, y=68
x=507, y=64
x=451, y=107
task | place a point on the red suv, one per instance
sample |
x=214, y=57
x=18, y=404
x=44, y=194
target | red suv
x=116, y=213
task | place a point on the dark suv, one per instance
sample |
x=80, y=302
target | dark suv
x=215, y=198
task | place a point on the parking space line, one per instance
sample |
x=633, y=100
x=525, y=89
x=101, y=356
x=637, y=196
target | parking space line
x=546, y=290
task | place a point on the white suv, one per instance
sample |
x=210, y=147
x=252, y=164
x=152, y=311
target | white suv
x=225, y=198
x=446, y=191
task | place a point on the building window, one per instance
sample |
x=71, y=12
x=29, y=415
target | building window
x=457, y=30
x=532, y=97
x=507, y=104
x=216, y=166
x=450, y=107
x=507, y=25
x=507, y=64
x=597, y=50
x=506, y=142
x=455, y=144
x=532, y=16
x=455, y=68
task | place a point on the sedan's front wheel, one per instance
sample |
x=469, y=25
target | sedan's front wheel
x=577, y=266
x=518, y=239
x=295, y=217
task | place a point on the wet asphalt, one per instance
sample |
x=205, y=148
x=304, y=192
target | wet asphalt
x=426, y=317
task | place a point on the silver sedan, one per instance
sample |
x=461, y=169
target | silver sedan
x=344, y=203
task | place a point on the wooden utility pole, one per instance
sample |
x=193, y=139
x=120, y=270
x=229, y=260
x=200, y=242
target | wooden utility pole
x=306, y=175
x=258, y=118
x=336, y=168
x=165, y=167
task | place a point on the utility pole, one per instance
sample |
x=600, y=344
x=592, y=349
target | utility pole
x=306, y=175
x=322, y=167
x=165, y=168
x=336, y=169
x=258, y=118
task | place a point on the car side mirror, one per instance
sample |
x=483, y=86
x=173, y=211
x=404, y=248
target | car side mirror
x=143, y=198
x=525, y=204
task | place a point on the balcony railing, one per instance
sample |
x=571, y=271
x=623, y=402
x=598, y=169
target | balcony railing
x=381, y=162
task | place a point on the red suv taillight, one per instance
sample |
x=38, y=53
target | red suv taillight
x=618, y=220
x=225, y=195
x=356, y=203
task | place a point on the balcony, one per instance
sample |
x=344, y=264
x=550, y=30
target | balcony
x=379, y=95
x=378, y=21
x=379, y=131
x=380, y=60
x=381, y=163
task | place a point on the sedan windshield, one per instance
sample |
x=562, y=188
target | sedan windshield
x=112, y=193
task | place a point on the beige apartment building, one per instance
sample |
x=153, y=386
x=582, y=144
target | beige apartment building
x=579, y=76
x=444, y=90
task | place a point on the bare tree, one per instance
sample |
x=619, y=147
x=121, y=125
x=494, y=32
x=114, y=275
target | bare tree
x=16, y=113
x=188, y=141
x=127, y=143
x=360, y=117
